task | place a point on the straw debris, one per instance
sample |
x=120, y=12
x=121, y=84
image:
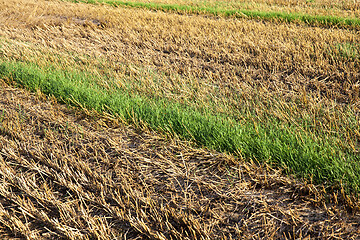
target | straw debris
x=65, y=175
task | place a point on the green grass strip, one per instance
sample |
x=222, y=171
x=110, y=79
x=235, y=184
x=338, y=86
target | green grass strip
x=329, y=21
x=278, y=144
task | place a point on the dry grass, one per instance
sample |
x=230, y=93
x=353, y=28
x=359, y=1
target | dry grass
x=69, y=175
x=198, y=61
x=218, y=51
x=72, y=175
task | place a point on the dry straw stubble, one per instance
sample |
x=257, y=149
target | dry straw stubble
x=237, y=67
x=75, y=176
x=149, y=187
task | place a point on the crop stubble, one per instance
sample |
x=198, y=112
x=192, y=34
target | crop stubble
x=115, y=182
x=72, y=175
x=219, y=50
x=230, y=65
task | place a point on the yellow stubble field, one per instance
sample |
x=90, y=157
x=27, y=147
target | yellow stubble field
x=78, y=175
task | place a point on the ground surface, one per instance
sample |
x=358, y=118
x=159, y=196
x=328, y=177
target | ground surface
x=71, y=176
x=67, y=173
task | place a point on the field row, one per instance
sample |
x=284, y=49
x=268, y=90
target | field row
x=70, y=175
x=178, y=126
x=325, y=14
x=282, y=93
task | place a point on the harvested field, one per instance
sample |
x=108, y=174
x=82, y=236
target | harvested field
x=215, y=62
x=284, y=58
x=68, y=175
x=275, y=107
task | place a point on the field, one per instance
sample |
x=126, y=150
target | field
x=179, y=119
